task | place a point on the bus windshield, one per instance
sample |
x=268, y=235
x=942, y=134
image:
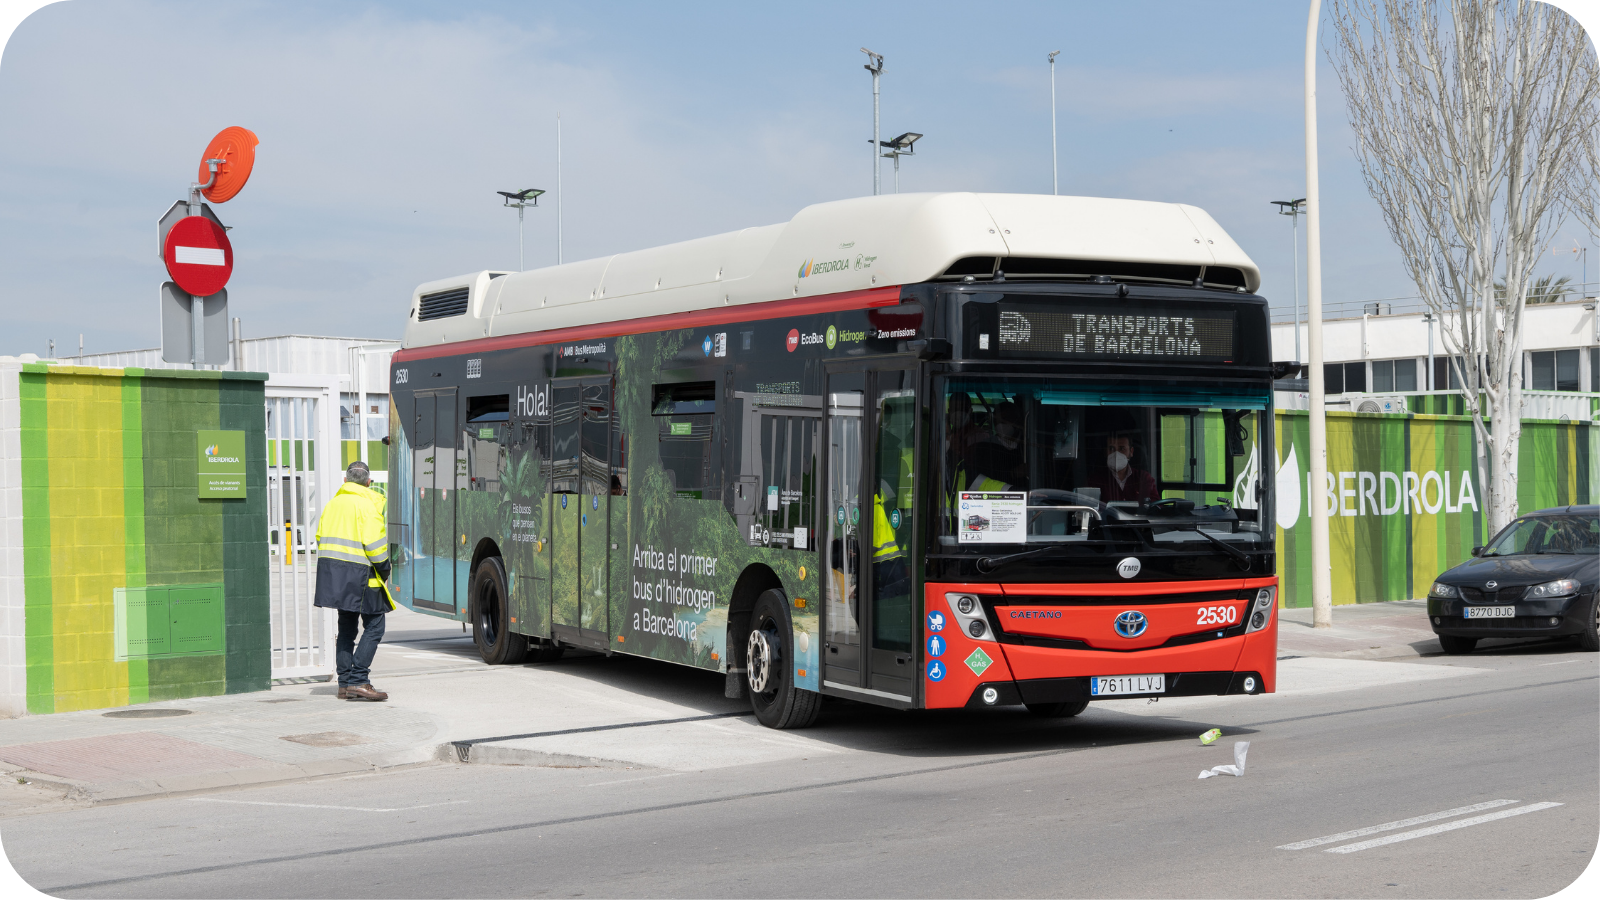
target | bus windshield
x=1032, y=461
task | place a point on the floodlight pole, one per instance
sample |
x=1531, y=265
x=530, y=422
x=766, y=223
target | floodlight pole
x=1293, y=209
x=1055, y=180
x=875, y=66
x=1321, y=560
x=558, y=189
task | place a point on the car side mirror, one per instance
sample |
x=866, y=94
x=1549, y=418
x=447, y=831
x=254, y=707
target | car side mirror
x=1477, y=551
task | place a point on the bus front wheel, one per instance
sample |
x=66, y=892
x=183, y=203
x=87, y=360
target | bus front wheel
x=769, y=666
x=490, y=613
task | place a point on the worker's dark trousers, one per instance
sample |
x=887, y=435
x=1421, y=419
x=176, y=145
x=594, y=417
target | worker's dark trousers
x=355, y=662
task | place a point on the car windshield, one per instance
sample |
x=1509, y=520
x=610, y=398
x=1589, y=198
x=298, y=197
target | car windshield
x=1547, y=534
x=1029, y=461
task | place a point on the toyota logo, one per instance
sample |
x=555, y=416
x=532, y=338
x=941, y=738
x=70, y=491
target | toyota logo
x=1131, y=624
x=1490, y=585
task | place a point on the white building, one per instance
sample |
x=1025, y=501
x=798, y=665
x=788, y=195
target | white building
x=1375, y=354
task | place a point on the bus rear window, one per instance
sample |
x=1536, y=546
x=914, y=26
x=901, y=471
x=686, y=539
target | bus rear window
x=493, y=408
x=683, y=399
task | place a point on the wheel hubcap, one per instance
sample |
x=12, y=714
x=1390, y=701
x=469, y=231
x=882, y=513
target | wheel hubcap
x=761, y=658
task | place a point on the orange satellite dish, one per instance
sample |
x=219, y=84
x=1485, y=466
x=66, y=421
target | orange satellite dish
x=236, y=147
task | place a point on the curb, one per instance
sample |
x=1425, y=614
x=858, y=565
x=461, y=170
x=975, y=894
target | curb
x=499, y=755
x=110, y=793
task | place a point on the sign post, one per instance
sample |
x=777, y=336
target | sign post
x=199, y=256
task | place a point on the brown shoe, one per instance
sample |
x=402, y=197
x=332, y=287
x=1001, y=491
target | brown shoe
x=364, y=692
x=342, y=694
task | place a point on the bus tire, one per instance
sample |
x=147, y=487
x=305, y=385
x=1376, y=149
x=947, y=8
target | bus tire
x=490, y=611
x=1063, y=710
x=769, y=667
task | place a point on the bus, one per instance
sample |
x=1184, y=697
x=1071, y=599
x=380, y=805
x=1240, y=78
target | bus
x=922, y=451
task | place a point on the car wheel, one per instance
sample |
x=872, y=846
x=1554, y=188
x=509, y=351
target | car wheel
x=769, y=667
x=1457, y=645
x=489, y=610
x=1057, y=710
x=1589, y=638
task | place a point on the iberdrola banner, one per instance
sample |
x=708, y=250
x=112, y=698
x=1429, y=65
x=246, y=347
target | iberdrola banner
x=1404, y=499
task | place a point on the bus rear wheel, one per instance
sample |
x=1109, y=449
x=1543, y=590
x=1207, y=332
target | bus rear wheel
x=769, y=666
x=489, y=610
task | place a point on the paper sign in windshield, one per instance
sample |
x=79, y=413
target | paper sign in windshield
x=993, y=518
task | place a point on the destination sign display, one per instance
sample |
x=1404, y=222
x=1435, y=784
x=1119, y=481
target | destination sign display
x=1151, y=334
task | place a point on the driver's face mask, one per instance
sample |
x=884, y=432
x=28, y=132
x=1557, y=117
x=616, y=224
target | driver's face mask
x=1117, y=461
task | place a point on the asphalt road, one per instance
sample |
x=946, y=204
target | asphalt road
x=996, y=803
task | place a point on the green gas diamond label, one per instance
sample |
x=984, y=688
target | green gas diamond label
x=979, y=661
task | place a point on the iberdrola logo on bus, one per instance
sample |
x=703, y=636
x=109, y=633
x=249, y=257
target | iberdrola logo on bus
x=811, y=267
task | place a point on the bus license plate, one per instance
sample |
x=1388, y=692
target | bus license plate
x=1105, y=685
x=1491, y=612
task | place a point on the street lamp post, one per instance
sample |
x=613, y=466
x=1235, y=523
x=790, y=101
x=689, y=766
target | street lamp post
x=1055, y=182
x=1321, y=561
x=875, y=66
x=1293, y=209
x=520, y=200
x=898, y=147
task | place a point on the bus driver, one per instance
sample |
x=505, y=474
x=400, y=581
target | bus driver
x=1120, y=480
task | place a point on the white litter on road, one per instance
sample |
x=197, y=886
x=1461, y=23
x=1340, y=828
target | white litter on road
x=1240, y=748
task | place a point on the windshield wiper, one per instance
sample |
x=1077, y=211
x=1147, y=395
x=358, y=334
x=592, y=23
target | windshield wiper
x=987, y=564
x=1238, y=555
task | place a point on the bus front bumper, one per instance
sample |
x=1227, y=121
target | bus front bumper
x=1076, y=690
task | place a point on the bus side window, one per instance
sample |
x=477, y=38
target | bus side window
x=686, y=432
x=786, y=495
x=488, y=419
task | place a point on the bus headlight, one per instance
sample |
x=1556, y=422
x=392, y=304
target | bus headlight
x=969, y=616
x=964, y=605
x=1261, y=609
x=976, y=628
x=991, y=696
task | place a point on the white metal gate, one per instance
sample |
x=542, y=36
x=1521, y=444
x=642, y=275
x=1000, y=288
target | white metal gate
x=303, y=471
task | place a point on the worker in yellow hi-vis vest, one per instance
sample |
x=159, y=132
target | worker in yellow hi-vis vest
x=352, y=566
x=889, y=572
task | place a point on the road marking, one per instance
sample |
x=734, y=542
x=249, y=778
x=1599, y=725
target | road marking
x=1390, y=826
x=325, y=806
x=1436, y=829
x=632, y=780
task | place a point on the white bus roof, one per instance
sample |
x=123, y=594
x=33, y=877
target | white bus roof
x=845, y=245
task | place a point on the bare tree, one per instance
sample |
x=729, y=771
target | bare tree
x=1475, y=128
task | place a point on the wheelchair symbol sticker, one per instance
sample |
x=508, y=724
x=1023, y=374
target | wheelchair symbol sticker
x=936, y=671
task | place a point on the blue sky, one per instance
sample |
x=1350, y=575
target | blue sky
x=386, y=128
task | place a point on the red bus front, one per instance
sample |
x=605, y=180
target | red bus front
x=1102, y=531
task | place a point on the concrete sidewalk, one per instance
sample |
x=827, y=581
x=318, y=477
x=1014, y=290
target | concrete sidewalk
x=584, y=710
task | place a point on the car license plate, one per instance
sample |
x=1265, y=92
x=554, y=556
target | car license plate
x=1490, y=612
x=1105, y=685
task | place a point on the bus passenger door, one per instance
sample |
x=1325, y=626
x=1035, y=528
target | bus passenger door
x=893, y=424
x=594, y=516
x=566, y=423
x=842, y=522
x=433, y=576
x=447, y=459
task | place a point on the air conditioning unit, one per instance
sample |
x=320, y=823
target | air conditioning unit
x=1383, y=403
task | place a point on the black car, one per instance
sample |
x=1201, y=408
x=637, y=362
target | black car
x=1537, y=578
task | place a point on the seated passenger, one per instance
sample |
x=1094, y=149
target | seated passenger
x=1119, y=480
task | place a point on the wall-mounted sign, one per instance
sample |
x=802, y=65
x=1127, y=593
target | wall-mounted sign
x=220, y=463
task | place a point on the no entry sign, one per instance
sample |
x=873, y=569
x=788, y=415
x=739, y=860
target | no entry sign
x=198, y=256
